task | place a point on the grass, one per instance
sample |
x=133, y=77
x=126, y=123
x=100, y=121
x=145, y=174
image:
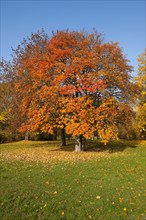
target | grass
x=41, y=181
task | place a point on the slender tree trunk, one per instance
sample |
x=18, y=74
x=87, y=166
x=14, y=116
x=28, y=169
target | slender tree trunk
x=83, y=143
x=63, y=137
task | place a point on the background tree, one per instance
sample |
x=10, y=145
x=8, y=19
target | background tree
x=10, y=118
x=141, y=80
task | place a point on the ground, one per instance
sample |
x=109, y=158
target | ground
x=41, y=180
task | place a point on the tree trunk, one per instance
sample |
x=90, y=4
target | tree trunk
x=80, y=143
x=83, y=143
x=78, y=147
x=63, y=138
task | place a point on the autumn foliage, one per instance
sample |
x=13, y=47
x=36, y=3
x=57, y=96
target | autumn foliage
x=72, y=81
x=141, y=108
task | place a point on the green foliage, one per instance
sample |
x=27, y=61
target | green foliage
x=104, y=186
x=43, y=136
x=141, y=118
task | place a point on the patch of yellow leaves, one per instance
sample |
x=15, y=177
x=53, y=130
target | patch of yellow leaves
x=46, y=155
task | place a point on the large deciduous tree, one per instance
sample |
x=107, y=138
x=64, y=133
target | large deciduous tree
x=72, y=81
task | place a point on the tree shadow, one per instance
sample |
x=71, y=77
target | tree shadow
x=98, y=146
x=91, y=145
x=47, y=144
x=68, y=147
x=111, y=147
x=51, y=145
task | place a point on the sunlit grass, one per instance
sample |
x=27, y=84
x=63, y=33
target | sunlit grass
x=41, y=180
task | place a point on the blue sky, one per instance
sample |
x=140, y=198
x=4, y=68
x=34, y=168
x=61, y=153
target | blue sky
x=120, y=21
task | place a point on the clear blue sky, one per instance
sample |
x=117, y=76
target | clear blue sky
x=121, y=21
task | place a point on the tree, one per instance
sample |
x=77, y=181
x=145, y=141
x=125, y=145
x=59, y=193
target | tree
x=10, y=118
x=141, y=80
x=72, y=81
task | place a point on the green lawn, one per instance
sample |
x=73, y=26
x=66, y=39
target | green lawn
x=40, y=180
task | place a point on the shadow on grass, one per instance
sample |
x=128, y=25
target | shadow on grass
x=111, y=147
x=97, y=146
x=49, y=144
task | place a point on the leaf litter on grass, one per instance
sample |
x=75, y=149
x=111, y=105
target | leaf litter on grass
x=41, y=152
x=42, y=155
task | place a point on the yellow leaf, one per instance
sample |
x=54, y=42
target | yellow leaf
x=62, y=213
